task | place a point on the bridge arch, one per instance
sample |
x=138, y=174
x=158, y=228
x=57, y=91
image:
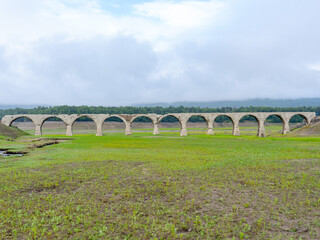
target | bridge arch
x=279, y=116
x=144, y=116
x=252, y=116
x=199, y=115
x=52, y=117
x=304, y=122
x=116, y=116
x=221, y=117
x=19, y=117
x=32, y=119
x=174, y=116
x=32, y=129
x=88, y=116
x=224, y=115
x=83, y=116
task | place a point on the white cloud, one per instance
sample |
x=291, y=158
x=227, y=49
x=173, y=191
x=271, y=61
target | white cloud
x=162, y=51
x=82, y=20
x=315, y=66
x=186, y=14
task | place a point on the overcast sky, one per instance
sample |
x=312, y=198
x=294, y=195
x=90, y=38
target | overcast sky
x=122, y=52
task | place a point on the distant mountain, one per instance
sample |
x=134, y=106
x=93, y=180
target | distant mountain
x=19, y=106
x=303, y=102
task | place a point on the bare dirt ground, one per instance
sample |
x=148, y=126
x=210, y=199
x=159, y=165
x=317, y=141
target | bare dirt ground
x=313, y=129
x=106, y=126
x=58, y=127
x=121, y=125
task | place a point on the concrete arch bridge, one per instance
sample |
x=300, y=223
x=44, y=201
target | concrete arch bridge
x=183, y=118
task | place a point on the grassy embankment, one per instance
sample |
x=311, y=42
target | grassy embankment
x=166, y=187
x=10, y=132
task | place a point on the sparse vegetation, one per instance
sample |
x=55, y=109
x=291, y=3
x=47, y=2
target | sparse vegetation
x=166, y=187
x=162, y=187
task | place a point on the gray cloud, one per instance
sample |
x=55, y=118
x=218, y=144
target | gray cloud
x=98, y=71
x=264, y=51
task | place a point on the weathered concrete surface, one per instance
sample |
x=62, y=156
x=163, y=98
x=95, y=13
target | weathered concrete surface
x=183, y=118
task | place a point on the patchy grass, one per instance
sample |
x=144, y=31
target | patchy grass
x=8, y=133
x=167, y=187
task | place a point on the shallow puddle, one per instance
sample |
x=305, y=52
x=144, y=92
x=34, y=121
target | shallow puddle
x=6, y=154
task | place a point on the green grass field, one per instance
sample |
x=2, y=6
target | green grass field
x=162, y=187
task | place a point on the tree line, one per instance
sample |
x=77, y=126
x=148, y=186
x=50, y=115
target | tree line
x=159, y=110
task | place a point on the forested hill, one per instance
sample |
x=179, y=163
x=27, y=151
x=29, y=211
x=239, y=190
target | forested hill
x=309, y=102
x=145, y=110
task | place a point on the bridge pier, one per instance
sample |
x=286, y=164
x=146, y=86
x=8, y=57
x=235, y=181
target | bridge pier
x=236, y=129
x=261, y=129
x=38, y=131
x=69, y=130
x=183, y=131
x=156, y=129
x=210, y=131
x=286, y=127
x=308, y=121
x=128, y=129
x=99, y=129
x=210, y=127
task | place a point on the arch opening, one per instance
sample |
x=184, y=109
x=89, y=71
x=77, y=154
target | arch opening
x=197, y=124
x=223, y=124
x=249, y=125
x=53, y=125
x=273, y=124
x=84, y=125
x=24, y=124
x=297, y=121
x=113, y=124
x=170, y=124
x=142, y=124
